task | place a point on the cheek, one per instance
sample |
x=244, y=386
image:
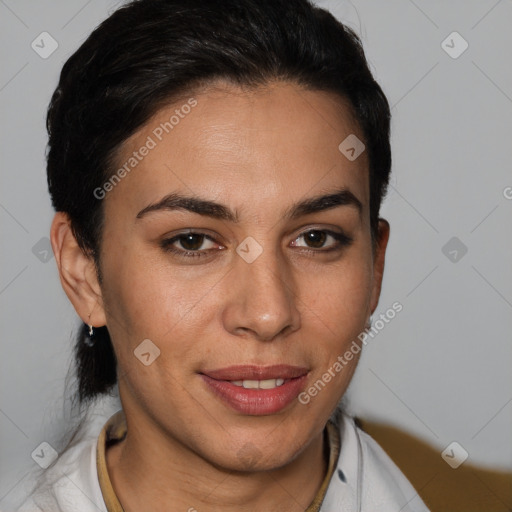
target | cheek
x=338, y=305
x=148, y=299
x=340, y=297
x=151, y=296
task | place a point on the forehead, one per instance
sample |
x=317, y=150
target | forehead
x=244, y=146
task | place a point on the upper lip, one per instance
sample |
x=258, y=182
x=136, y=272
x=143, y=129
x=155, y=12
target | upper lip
x=253, y=372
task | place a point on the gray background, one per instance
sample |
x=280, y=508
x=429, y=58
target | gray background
x=441, y=369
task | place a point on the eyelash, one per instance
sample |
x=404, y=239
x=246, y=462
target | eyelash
x=341, y=239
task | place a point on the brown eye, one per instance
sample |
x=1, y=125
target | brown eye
x=322, y=240
x=190, y=245
x=315, y=239
x=191, y=241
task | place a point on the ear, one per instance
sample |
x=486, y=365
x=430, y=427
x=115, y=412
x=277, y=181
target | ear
x=378, y=262
x=77, y=272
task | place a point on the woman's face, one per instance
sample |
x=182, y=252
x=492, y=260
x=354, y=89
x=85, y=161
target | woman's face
x=272, y=285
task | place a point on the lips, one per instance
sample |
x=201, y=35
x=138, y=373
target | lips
x=252, y=372
x=256, y=390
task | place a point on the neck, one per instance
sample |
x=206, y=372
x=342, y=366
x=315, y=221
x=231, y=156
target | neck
x=164, y=473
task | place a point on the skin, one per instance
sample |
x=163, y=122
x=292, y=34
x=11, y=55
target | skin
x=258, y=152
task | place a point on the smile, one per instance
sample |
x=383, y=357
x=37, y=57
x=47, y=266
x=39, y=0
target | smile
x=256, y=390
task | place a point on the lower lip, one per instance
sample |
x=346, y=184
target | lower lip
x=256, y=402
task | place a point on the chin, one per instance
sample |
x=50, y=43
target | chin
x=250, y=457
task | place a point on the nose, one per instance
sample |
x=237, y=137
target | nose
x=262, y=299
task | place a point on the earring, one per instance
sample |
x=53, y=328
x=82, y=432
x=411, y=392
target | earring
x=89, y=340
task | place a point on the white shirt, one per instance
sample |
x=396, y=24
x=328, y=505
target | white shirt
x=365, y=480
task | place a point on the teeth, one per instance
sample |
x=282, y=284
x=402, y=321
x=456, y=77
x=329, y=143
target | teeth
x=268, y=384
x=250, y=384
x=259, y=384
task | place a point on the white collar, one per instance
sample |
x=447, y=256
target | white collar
x=366, y=479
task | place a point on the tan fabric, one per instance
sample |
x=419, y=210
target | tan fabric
x=470, y=488
x=114, y=431
x=333, y=437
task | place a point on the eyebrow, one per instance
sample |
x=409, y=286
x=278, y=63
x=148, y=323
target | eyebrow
x=176, y=201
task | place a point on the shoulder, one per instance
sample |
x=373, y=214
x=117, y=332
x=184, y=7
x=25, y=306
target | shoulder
x=70, y=483
x=366, y=478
